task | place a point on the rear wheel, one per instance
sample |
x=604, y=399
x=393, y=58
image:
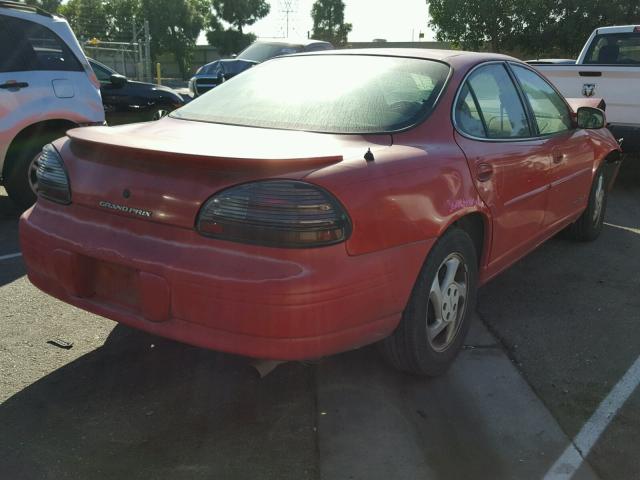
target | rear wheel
x=160, y=113
x=21, y=180
x=437, y=317
x=589, y=225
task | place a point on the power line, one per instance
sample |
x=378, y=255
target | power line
x=287, y=8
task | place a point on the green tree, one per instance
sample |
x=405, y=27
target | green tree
x=471, y=24
x=88, y=18
x=120, y=16
x=531, y=27
x=175, y=26
x=48, y=5
x=328, y=21
x=228, y=40
x=237, y=14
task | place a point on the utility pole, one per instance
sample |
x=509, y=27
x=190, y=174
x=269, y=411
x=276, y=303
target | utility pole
x=137, y=47
x=287, y=8
x=147, y=50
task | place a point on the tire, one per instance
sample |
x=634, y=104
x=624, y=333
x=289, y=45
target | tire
x=588, y=227
x=159, y=113
x=415, y=346
x=20, y=181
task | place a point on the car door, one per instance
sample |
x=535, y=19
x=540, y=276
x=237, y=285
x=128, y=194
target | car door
x=509, y=165
x=38, y=73
x=115, y=98
x=571, y=150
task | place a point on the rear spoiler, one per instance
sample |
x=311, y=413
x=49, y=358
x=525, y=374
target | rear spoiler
x=111, y=143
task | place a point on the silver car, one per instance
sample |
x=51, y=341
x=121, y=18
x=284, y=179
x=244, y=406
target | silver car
x=46, y=88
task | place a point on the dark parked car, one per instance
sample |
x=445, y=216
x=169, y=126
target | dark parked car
x=129, y=101
x=213, y=74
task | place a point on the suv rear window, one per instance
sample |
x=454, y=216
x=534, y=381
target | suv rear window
x=615, y=49
x=26, y=46
x=325, y=93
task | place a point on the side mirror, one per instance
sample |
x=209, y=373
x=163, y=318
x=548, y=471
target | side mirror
x=591, y=118
x=118, y=80
x=234, y=55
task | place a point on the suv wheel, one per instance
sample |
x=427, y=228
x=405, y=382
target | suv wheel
x=21, y=180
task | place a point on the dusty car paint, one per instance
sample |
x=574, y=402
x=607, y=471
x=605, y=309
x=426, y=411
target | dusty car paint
x=159, y=274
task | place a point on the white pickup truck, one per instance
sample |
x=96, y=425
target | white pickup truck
x=609, y=68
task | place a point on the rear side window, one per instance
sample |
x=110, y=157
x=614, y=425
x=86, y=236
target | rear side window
x=316, y=47
x=468, y=116
x=27, y=46
x=615, y=49
x=551, y=113
x=489, y=96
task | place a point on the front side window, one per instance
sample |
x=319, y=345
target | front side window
x=550, y=111
x=104, y=75
x=326, y=93
x=489, y=95
x=615, y=49
x=27, y=46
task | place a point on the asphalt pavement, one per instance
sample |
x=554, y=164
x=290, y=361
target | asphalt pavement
x=121, y=403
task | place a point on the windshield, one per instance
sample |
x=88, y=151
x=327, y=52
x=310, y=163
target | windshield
x=325, y=93
x=260, y=52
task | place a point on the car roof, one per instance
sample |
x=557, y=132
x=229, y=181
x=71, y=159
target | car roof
x=290, y=41
x=617, y=29
x=460, y=57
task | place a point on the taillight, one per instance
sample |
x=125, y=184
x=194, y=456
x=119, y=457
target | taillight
x=53, y=182
x=277, y=213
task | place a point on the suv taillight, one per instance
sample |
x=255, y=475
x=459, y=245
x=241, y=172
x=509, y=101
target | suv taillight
x=53, y=182
x=277, y=213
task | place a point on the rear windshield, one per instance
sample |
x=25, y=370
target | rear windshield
x=325, y=93
x=615, y=49
x=261, y=51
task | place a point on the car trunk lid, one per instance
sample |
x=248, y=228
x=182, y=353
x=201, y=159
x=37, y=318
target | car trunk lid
x=164, y=171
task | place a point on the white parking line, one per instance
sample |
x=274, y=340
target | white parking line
x=11, y=255
x=574, y=455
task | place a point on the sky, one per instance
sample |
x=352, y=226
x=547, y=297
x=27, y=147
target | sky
x=394, y=20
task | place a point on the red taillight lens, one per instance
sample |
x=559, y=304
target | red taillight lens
x=52, y=180
x=278, y=213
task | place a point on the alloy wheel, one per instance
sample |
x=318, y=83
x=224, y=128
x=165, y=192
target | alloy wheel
x=33, y=173
x=447, y=302
x=599, y=200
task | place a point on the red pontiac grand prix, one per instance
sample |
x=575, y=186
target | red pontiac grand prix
x=321, y=202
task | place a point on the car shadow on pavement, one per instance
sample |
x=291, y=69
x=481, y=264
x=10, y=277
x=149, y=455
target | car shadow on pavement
x=8, y=209
x=10, y=269
x=144, y=407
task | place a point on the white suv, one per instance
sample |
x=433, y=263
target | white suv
x=46, y=88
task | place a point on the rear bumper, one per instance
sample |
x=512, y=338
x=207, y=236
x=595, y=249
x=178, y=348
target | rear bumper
x=631, y=135
x=255, y=301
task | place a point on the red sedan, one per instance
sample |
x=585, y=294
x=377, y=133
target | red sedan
x=321, y=202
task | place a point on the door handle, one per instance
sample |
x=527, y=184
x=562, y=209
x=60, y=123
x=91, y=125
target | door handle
x=484, y=172
x=12, y=84
x=590, y=74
